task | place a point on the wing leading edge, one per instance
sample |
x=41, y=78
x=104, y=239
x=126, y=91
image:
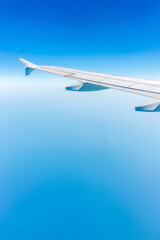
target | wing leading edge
x=91, y=81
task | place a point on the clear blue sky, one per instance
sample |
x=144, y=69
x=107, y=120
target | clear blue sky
x=78, y=165
x=79, y=27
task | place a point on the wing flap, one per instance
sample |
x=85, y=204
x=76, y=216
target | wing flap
x=85, y=87
x=153, y=105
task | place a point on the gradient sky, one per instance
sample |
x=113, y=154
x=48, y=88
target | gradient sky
x=78, y=165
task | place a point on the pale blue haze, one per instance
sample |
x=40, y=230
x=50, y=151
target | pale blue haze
x=78, y=165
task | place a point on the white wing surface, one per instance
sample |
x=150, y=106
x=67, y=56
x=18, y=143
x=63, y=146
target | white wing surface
x=91, y=81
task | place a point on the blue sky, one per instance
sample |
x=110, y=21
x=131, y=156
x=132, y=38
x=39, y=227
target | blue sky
x=79, y=27
x=78, y=165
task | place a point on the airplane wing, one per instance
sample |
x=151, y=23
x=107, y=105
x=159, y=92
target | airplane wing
x=91, y=81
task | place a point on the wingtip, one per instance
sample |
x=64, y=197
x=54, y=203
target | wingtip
x=28, y=65
x=21, y=59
